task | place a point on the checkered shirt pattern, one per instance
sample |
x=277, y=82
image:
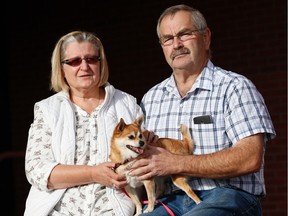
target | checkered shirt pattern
x=237, y=110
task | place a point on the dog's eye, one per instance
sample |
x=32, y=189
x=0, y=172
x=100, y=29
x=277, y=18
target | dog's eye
x=131, y=137
x=140, y=136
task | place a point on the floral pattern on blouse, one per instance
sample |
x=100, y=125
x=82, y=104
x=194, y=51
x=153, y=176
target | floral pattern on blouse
x=90, y=199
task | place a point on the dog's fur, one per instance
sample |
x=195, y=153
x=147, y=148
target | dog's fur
x=128, y=142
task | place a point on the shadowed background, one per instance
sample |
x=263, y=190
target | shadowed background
x=248, y=37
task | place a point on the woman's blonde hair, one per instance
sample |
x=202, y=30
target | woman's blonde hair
x=58, y=82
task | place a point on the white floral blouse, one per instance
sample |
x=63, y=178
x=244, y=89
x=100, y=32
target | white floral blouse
x=83, y=200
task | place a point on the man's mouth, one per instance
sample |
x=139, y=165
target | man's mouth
x=179, y=52
x=135, y=149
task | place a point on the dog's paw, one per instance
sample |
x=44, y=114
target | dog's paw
x=138, y=210
x=137, y=214
x=148, y=210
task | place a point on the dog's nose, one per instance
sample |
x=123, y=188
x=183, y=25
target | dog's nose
x=142, y=143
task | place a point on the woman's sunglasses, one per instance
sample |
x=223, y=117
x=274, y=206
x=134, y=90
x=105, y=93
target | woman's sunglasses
x=74, y=62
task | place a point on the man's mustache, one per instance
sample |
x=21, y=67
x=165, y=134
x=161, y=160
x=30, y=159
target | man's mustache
x=175, y=53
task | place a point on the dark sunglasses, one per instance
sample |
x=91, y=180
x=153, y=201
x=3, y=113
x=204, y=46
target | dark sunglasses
x=74, y=62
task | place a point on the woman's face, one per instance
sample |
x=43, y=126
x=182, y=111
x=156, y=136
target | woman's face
x=82, y=67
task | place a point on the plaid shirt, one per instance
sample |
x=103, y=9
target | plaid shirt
x=235, y=108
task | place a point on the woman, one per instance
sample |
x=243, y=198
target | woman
x=69, y=140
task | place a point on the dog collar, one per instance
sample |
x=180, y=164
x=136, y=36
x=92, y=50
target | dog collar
x=116, y=166
x=119, y=164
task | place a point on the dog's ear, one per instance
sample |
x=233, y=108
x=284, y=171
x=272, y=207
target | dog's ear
x=139, y=120
x=121, y=125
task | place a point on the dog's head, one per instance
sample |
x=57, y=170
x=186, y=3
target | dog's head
x=127, y=141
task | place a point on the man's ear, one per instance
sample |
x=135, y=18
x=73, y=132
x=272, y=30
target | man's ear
x=207, y=38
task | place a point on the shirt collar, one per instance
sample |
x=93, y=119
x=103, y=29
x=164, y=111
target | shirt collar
x=204, y=80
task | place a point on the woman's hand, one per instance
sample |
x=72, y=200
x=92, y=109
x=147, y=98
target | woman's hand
x=105, y=175
x=66, y=176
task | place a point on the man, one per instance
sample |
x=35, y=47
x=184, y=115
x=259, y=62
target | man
x=227, y=117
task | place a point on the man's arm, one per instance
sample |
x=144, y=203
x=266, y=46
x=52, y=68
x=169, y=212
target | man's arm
x=243, y=158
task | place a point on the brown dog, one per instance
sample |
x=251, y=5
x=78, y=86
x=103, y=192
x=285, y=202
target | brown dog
x=128, y=142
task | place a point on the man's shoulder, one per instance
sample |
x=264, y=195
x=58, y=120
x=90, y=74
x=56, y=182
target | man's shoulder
x=223, y=76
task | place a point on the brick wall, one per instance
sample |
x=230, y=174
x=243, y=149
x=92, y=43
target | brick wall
x=248, y=37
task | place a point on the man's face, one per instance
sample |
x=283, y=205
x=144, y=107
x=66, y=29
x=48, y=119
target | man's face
x=183, y=45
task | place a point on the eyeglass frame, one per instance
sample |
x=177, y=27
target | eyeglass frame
x=184, y=32
x=76, y=59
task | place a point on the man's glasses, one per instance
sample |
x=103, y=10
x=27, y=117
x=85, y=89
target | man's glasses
x=74, y=62
x=183, y=36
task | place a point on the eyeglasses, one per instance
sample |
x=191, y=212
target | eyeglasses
x=183, y=36
x=74, y=62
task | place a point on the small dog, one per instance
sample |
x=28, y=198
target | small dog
x=128, y=142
